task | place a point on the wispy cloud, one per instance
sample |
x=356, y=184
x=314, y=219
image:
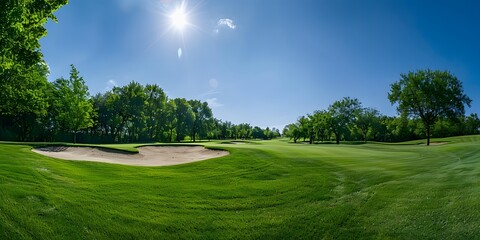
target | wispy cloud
x=213, y=85
x=110, y=84
x=213, y=102
x=225, y=22
x=211, y=92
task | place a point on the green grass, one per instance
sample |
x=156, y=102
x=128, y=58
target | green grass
x=268, y=190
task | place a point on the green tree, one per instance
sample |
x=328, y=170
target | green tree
x=304, y=126
x=22, y=70
x=292, y=131
x=202, y=116
x=73, y=103
x=472, y=124
x=320, y=126
x=21, y=26
x=275, y=133
x=379, y=128
x=341, y=115
x=134, y=98
x=258, y=133
x=155, y=111
x=113, y=114
x=170, y=119
x=226, y=130
x=24, y=98
x=429, y=95
x=365, y=120
x=244, y=131
x=184, y=118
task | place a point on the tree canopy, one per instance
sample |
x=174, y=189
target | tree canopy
x=341, y=114
x=429, y=95
x=72, y=103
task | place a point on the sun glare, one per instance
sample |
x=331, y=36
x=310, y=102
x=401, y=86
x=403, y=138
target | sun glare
x=179, y=19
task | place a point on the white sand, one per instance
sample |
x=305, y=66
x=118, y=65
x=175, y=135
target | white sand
x=147, y=156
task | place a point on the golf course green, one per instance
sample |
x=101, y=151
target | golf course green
x=262, y=190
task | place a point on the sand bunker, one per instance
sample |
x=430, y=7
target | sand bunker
x=147, y=156
x=434, y=143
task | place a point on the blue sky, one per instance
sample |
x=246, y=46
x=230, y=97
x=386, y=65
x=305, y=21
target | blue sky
x=266, y=62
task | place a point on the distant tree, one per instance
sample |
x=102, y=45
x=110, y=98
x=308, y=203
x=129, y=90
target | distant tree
x=304, y=127
x=311, y=132
x=379, y=130
x=102, y=118
x=275, y=133
x=258, y=133
x=365, y=120
x=215, y=129
x=447, y=128
x=341, y=115
x=429, y=95
x=202, y=115
x=225, y=129
x=184, y=118
x=170, y=119
x=132, y=101
x=472, y=124
x=320, y=126
x=267, y=133
x=73, y=103
x=155, y=111
x=292, y=131
x=113, y=114
x=244, y=130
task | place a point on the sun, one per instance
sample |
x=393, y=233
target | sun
x=179, y=18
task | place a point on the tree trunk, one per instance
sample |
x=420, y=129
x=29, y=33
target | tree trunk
x=337, y=137
x=428, y=135
x=194, y=133
x=75, y=137
x=23, y=129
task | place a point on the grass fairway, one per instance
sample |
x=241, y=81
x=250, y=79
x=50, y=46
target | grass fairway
x=269, y=190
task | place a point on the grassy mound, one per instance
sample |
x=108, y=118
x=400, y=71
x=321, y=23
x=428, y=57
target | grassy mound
x=269, y=190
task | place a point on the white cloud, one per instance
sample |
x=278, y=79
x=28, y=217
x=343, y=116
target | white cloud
x=213, y=102
x=110, y=84
x=211, y=92
x=225, y=22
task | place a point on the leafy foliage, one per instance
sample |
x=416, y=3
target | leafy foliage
x=429, y=95
x=72, y=103
x=341, y=116
x=23, y=72
x=22, y=25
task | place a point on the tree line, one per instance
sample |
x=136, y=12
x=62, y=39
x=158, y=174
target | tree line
x=367, y=124
x=429, y=103
x=63, y=110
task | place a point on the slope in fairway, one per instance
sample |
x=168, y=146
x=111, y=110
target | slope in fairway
x=269, y=190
